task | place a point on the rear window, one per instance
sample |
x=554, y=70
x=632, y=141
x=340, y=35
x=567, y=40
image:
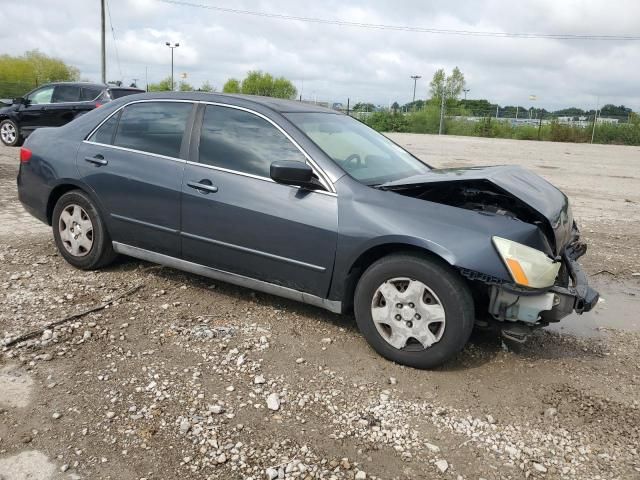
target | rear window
x=154, y=127
x=123, y=92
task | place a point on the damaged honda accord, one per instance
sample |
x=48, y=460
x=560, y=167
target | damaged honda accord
x=309, y=204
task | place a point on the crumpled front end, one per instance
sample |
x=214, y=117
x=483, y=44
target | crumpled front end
x=570, y=293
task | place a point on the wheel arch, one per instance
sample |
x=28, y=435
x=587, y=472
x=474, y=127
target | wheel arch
x=375, y=252
x=65, y=186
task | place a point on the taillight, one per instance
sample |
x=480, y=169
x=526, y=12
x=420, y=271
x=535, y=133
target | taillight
x=25, y=155
x=98, y=104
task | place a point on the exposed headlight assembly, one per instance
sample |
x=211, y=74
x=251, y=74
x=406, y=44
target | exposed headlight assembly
x=528, y=267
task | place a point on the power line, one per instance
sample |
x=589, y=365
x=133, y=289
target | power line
x=405, y=28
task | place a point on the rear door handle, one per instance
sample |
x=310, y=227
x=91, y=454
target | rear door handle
x=98, y=160
x=203, y=186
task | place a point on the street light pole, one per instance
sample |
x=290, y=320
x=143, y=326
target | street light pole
x=415, y=80
x=175, y=45
x=466, y=90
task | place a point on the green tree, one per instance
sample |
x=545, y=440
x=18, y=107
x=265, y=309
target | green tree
x=232, y=86
x=185, y=87
x=364, y=107
x=206, y=87
x=163, y=85
x=451, y=85
x=22, y=73
x=260, y=83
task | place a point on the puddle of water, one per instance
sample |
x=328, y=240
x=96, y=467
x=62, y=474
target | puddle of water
x=30, y=465
x=15, y=387
x=620, y=310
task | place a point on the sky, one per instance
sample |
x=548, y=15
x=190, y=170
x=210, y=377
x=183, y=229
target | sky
x=333, y=63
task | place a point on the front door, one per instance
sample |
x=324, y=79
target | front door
x=35, y=111
x=134, y=162
x=236, y=219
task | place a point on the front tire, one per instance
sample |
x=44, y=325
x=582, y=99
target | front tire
x=79, y=232
x=10, y=133
x=414, y=310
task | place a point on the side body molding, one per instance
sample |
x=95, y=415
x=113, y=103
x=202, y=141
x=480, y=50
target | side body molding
x=242, y=281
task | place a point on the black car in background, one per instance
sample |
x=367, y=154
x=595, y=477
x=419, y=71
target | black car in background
x=53, y=105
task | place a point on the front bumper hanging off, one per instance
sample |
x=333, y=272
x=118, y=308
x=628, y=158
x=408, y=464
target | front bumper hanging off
x=551, y=305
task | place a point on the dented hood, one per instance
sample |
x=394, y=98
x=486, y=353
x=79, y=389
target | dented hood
x=526, y=186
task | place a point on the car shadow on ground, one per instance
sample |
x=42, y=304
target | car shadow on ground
x=484, y=345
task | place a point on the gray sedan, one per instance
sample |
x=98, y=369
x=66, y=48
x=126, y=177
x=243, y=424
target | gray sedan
x=310, y=204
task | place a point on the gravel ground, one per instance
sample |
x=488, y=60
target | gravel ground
x=189, y=378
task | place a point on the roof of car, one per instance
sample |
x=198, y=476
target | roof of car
x=277, y=104
x=95, y=84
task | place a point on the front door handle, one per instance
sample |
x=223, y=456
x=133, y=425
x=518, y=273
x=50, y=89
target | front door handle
x=98, y=160
x=203, y=186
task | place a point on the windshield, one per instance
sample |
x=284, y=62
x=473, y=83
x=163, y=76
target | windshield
x=363, y=153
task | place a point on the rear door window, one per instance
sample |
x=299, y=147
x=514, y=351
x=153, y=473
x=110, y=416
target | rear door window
x=66, y=94
x=153, y=127
x=122, y=92
x=89, y=93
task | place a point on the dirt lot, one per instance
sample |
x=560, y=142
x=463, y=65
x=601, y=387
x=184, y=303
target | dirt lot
x=175, y=380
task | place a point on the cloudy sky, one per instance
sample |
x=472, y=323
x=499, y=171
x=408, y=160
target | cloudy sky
x=333, y=62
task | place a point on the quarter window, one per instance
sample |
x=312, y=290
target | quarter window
x=106, y=131
x=241, y=141
x=154, y=127
x=41, y=96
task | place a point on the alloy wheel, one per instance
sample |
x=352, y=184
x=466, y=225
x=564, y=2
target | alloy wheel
x=8, y=133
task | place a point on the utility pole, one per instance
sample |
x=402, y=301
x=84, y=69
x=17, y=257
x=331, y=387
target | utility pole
x=172, y=47
x=517, y=108
x=415, y=80
x=466, y=90
x=441, y=114
x=103, y=51
x=497, y=110
x=595, y=120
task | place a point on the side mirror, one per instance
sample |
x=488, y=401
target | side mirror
x=18, y=101
x=292, y=173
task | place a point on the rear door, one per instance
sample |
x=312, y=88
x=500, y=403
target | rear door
x=134, y=162
x=64, y=105
x=236, y=219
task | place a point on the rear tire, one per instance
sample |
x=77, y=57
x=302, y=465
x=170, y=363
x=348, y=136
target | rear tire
x=79, y=232
x=414, y=310
x=10, y=133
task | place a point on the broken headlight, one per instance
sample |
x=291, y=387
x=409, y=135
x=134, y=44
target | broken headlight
x=528, y=267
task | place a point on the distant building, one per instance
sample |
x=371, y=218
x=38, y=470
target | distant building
x=607, y=120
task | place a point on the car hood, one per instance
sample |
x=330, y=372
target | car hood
x=523, y=186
